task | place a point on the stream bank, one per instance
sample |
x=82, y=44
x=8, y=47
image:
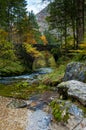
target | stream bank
x=47, y=100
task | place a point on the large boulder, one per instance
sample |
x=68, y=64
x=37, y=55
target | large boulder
x=74, y=89
x=75, y=71
x=46, y=59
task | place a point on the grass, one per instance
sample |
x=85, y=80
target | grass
x=24, y=90
x=21, y=90
x=55, y=76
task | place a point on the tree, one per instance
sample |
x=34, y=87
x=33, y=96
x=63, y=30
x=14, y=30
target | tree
x=9, y=61
x=59, y=18
x=65, y=14
x=33, y=34
x=80, y=20
x=11, y=15
x=51, y=38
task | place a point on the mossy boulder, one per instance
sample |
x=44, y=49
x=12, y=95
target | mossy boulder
x=62, y=110
x=75, y=71
x=46, y=59
x=73, y=89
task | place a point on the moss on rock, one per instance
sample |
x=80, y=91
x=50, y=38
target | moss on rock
x=46, y=59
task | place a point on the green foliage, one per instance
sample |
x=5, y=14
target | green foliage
x=21, y=89
x=33, y=28
x=13, y=18
x=79, y=54
x=56, y=52
x=54, y=77
x=31, y=50
x=58, y=112
x=9, y=62
x=67, y=17
x=50, y=38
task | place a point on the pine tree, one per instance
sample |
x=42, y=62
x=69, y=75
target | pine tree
x=64, y=15
x=12, y=13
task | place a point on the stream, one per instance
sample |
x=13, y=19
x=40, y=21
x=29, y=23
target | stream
x=28, y=77
x=40, y=119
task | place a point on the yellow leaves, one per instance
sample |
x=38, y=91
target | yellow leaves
x=78, y=52
x=31, y=50
x=82, y=45
x=30, y=38
x=43, y=38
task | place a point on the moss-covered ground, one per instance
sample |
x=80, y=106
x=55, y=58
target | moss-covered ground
x=21, y=90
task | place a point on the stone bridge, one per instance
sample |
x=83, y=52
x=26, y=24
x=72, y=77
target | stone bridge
x=45, y=60
x=42, y=47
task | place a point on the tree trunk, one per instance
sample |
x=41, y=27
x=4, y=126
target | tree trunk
x=80, y=21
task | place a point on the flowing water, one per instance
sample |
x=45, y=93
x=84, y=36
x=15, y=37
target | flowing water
x=28, y=77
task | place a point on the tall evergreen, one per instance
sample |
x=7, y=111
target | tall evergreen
x=33, y=27
x=65, y=14
x=11, y=13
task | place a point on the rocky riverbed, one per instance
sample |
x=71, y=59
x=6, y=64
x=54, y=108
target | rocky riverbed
x=61, y=108
x=21, y=118
x=26, y=119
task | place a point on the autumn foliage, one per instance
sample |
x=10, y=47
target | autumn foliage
x=43, y=38
x=29, y=38
x=31, y=50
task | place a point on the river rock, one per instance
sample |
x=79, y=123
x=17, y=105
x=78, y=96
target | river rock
x=38, y=120
x=75, y=71
x=74, y=89
x=15, y=103
x=41, y=101
x=76, y=124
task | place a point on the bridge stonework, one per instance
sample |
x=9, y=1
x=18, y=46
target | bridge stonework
x=42, y=47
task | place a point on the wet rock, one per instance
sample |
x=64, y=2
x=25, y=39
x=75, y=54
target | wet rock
x=39, y=120
x=71, y=108
x=77, y=112
x=37, y=106
x=35, y=97
x=17, y=104
x=47, y=96
x=75, y=71
x=76, y=124
x=40, y=102
x=74, y=89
